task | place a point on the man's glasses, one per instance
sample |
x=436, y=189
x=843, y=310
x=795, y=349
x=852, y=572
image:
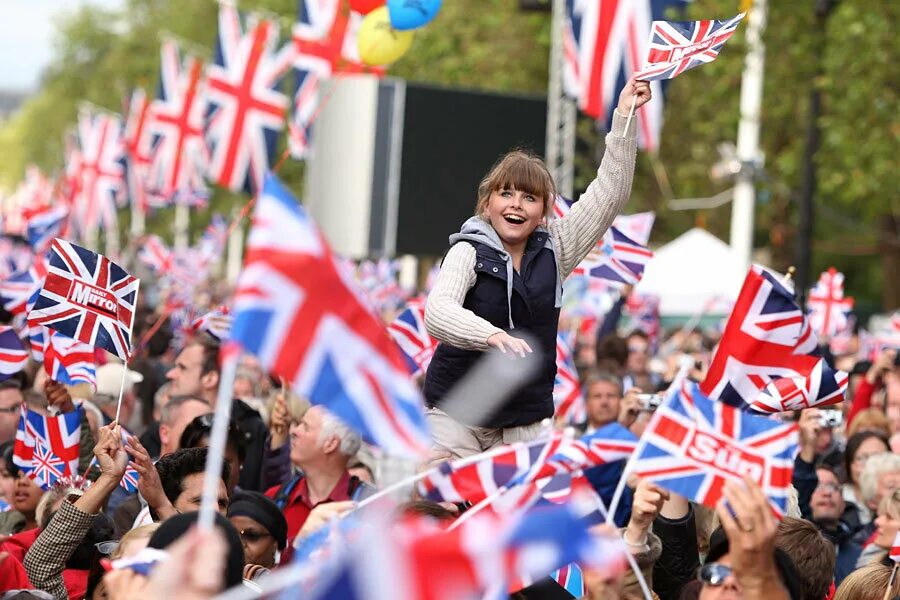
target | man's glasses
x=12, y=409
x=828, y=487
x=106, y=548
x=252, y=536
x=714, y=574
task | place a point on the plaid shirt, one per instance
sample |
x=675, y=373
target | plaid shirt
x=47, y=557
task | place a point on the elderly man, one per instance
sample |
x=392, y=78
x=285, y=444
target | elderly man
x=879, y=478
x=828, y=509
x=321, y=446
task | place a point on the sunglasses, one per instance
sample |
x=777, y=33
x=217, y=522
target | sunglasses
x=252, y=536
x=106, y=548
x=714, y=574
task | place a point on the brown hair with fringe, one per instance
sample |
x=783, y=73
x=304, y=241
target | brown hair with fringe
x=518, y=170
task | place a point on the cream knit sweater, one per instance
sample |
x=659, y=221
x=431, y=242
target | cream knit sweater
x=573, y=237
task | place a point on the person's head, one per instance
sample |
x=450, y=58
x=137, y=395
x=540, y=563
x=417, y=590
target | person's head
x=322, y=441
x=8, y=472
x=10, y=406
x=196, y=370
x=827, y=503
x=638, y=352
x=879, y=478
x=516, y=196
x=603, y=394
x=161, y=398
x=247, y=383
x=812, y=555
x=859, y=448
x=106, y=396
x=181, y=476
x=86, y=553
x=872, y=420
x=26, y=496
x=868, y=583
x=428, y=508
x=888, y=520
x=51, y=501
x=612, y=354
x=196, y=435
x=175, y=416
x=134, y=541
x=261, y=525
x=720, y=583
x=173, y=528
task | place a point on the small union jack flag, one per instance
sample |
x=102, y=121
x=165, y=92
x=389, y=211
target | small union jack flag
x=46, y=447
x=409, y=332
x=676, y=46
x=828, y=308
x=13, y=355
x=768, y=337
x=100, y=171
x=131, y=477
x=87, y=297
x=216, y=323
x=296, y=313
x=69, y=361
x=606, y=445
x=20, y=287
x=155, y=254
x=44, y=225
x=181, y=158
x=693, y=446
x=246, y=108
x=140, y=149
x=567, y=396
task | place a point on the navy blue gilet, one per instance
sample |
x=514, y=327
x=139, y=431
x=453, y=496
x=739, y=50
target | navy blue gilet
x=533, y=311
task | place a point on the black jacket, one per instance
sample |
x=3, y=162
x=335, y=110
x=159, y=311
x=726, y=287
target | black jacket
x=255, y=432
x=531, y=307
x=680, y=558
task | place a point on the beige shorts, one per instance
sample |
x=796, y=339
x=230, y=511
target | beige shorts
x=462, y=440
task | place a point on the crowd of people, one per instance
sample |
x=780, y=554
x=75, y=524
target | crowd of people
x=289, y=468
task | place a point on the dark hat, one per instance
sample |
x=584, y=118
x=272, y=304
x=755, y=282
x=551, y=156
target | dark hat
x=173, y=528
x=261, y=509
x=718, y=547
x=862, y=367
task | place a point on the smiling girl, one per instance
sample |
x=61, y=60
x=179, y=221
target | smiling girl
x=503, y=276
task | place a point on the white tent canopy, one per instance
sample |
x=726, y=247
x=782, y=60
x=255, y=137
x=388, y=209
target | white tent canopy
x=693, y=273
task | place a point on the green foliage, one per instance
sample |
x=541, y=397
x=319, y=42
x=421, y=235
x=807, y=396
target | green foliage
x=490, y=44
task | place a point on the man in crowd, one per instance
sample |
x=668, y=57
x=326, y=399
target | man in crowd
x=181, y=479
x=10, y=405
x=196, y=372
x=605, y=403
x=322, y=446
x=811, y=554
x=176, y=415
x=637, y=365
x=828, y=508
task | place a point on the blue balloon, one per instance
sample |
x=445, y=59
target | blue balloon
x=412, y=14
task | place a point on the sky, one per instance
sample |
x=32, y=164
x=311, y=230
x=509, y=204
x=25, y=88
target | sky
x=27, y=28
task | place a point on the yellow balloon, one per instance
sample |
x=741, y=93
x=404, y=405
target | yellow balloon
x=378, y=42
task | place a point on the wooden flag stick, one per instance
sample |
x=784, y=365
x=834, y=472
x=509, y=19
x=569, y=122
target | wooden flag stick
x=890, y=585
x=630, y=114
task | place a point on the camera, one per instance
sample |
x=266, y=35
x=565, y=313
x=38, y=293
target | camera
x=831, y=418
x=649, y=402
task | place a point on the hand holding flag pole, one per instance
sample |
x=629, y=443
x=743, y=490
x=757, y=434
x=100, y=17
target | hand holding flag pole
x=640, y=95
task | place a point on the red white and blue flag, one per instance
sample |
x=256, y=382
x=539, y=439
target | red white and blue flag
x=828, y=308
x=603, y=44
x=693, y=446
x=87, y=297
x=46, y=447
x=568, y=399
x=155, y=254
x=409, y=332
x=768, y=337
x=608, y=444
x=45, y=224
x=13, y=355
x=139, y=145
x=216, y=323
x=246, y=109
x=17, y=290
x=616, y=259
x=68, y=361
x=296, y=313
x=100, y=171
x=181, y=156
x=895, y=548
x=676, y=46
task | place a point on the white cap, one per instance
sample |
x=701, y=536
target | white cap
x=109, y=378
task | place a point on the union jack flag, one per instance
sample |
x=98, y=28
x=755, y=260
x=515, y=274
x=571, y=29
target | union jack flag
x=68, y=361
x=294, y=311
x=603, y=44
x=46, y=447
x=637, y=226
x=212, y=242
x=87, y=297
x=246, y=109
x=44, y=225
x=767, y=337
x=474, y=478
x=216, y=323
x=101, y=174
x=617, y=259
x=606, y=445
x=155, y=254
x=828, y=308
x=19, y=288
x=409, y=332
x=895, y=548
x=694, y=445
x=644, y=312
x=182, y=156
x=567, y=396
x=129, y=481
x=13, y=356
x=139, y=145
x=676, y=46
x=324, y=37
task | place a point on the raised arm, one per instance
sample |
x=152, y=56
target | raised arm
x=590, y=217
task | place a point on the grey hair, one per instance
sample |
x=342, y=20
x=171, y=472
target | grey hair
x=167, y=414
x=46, y=509
x=876, y=466
x=350, y=441
x=161, y=393
x=595, y=376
